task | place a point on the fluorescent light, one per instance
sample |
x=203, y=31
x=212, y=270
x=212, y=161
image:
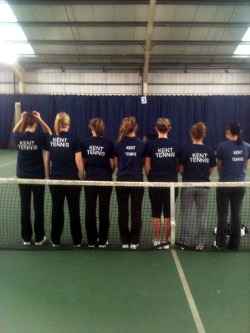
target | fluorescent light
x=7, y=54
x=242, y=50
x=6, y=14
x=9, y=35
x=246, y=37
x=12, y=33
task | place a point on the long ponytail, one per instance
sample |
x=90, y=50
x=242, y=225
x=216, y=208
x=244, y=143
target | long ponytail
x=62, y=121
x=128, y=125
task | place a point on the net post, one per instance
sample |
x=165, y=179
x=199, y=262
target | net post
x=172, y=213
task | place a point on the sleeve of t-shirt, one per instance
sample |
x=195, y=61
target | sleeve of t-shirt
x=47, y=143
x=213, y=162
x=44, y=139
x=15, y=136
x=78, y=147
x=116, y=149
x=144, y=149
x=182, y=156
x=219, y=152
x=147, y=150
x=110, y=152
x=83, y=149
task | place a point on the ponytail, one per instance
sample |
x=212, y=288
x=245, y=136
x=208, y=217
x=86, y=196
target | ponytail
x=62, y=121
x=128, y=125
x=235, y=129
x=97, y=124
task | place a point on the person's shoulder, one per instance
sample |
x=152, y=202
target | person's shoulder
x=151, y=143
x=86, y=141
x=246, y=144
x=174, y=141
x=223, y=144
x=209, y=148
x=107, y=141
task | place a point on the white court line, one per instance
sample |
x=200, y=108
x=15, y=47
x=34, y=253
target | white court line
x=6, y=164
x=193, y=308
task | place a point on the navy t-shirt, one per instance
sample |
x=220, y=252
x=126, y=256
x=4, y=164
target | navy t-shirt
x=30, y=154
x=62, y=150
x=97, y=152
x=234, y=158
x=130, y=152
x=163, y=153
x=197, y=159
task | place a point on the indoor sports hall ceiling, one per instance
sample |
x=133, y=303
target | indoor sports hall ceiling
x=132, y=36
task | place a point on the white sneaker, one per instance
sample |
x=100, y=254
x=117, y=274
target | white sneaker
x=165, y=245
x=125, y=246
x=157, y=244
x=26, y=243
x=134, y=246
x=55, y=245
x=102, y=246
x=41, y=242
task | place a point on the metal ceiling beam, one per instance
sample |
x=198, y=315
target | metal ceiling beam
x=166, y=24
x=132, y=42
x=126, y=2
x=127, y=56
x=118, y=66
x=150, y=26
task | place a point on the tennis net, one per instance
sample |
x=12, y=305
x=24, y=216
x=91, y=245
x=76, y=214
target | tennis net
x=10, y=213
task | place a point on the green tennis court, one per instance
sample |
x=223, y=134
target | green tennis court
x=114, y=291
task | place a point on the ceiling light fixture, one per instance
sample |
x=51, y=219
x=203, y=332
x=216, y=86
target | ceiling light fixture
x=10, y=34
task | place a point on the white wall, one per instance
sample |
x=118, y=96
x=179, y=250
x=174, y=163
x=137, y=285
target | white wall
x=172, y=83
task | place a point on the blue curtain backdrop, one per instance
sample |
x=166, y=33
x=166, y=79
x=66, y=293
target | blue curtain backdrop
x=183, y=111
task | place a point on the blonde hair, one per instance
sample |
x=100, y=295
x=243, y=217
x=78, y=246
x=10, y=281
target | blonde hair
x=62, y=121
x=128, y=125
x=198, y=131
x=97, y=124
x=163, y=125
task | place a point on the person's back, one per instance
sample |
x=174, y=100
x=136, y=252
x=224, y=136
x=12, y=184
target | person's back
x=233, y=156
x=62, y=150
x=30, y=144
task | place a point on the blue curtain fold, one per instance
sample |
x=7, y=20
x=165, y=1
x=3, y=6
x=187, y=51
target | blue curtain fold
x=183, y=111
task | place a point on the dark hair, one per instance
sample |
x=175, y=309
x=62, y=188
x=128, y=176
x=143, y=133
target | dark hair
x=30, y=120
x=97, y=124
x=198, y=131
x=235, y=129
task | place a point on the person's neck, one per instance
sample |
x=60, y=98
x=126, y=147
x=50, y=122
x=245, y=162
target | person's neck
x=233, y=137
x=132, y=134
x=162, y=136
x=197, y=142
x=30, y=129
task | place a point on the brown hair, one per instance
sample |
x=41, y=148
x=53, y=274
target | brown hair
x=29, y=120
x=163, y=125
x=97, y=124
x=62, y=121
x=128, y=125
x=198, y=131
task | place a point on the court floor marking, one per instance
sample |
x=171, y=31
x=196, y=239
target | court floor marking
x=190, y=299
x=6, y=164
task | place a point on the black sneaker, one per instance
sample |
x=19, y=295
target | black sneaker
x=185, y=247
